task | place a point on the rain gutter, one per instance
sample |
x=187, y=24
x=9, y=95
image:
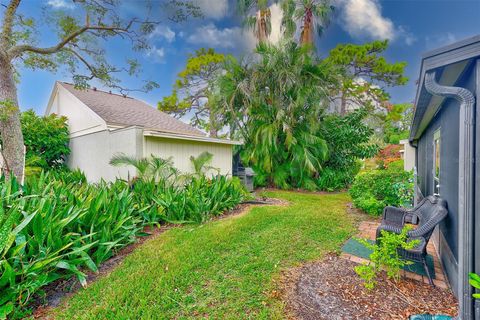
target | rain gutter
x=466, y=176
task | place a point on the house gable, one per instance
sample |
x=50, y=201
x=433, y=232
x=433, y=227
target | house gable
x=81, y=119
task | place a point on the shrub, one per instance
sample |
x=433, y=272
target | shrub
x=385, y=257
x=349, y=140
x=336, y=179
x=201, y=199
x=373, y=190
x=46, y=139
x=387, y=155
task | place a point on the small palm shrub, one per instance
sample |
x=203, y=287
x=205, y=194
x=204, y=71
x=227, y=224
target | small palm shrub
x=373, y=190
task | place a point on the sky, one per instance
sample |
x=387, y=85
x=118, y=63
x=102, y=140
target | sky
x=412, y=27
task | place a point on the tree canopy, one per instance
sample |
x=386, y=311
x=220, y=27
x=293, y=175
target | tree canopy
x=364, y=73
x=276, y=104
x=46, y=139
x=312, y=16
x=194, y=91
x=77, y=35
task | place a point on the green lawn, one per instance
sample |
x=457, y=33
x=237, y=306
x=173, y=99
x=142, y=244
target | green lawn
x=221, y=270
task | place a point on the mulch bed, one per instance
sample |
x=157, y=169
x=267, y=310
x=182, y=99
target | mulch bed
x=330, y=289
x=60, y=289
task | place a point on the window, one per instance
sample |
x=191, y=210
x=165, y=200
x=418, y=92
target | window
x=436, y=162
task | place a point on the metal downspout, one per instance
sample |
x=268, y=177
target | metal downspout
x=465, y=186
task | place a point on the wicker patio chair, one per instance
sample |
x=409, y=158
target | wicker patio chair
x=426, y=215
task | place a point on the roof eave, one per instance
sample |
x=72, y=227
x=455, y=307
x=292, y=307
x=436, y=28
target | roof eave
x=170, y=135
x=435, y=59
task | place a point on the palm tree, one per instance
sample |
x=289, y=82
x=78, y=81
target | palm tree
x=313, y=15
x=257, y=17
x=201, y=163
x=278, y=102
x=152, y=168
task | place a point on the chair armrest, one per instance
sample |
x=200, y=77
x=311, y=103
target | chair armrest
x=394, y=215
x=422, y=231
x=389, y=228
x=426, y=229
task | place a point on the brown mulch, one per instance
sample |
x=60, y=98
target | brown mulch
x=330, y=289
x=58, y=290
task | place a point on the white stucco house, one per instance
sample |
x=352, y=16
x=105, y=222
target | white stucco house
x=103, y=124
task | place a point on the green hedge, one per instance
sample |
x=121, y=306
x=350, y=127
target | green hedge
x=373, y=190
x=58, y=226
x=46, y=139
x=332, y=179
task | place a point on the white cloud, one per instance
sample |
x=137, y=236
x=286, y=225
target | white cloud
x=440, y=40
x=363, y=18
x=60, y=4
x=227, y=38
x=215, y=9
x=163, y=32
x=157, y=54
x=276, y=23
x=406, y=36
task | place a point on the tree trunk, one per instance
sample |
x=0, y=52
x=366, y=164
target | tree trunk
x=213, y=125
x=10, y=127
x=262, y=28
x=343, y=104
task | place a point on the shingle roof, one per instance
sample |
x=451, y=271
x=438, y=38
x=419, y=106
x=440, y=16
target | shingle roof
x=126, y=111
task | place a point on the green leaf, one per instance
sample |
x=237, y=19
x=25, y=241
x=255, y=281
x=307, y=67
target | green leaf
x=5, y=310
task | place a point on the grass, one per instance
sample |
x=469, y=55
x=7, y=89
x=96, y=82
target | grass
x=224, y=269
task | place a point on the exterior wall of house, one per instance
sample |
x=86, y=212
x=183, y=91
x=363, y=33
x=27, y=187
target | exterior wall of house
x=408, y=155
x=447, y=121
x=81, y=120
x=476, y=246
x=91, y=153
x=182, y=150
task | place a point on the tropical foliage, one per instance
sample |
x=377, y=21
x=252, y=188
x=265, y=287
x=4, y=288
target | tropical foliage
x=373, y=190
x=276, y=104
x=349, y=140
x=149, y=169
x=202, y=163
x=312, y=16
x=58, y=226
x=257, y=17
